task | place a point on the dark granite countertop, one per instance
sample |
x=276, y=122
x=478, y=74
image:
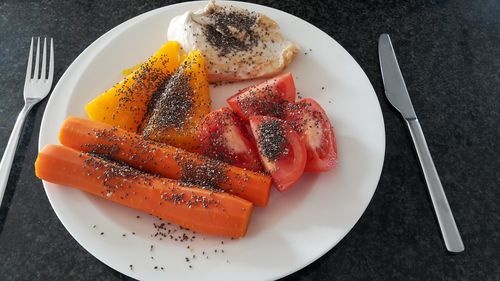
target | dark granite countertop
x=450, y=55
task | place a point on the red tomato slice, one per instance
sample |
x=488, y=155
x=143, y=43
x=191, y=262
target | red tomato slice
x=309, y=119
x=280, y=148
x=269, y=98
x=224, y=137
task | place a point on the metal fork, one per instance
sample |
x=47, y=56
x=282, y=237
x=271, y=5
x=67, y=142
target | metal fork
x=36, y=87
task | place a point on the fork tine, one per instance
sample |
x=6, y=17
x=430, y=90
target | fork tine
x=51, y=63
x=37, y=60
x=30, y=61
x=44, y=60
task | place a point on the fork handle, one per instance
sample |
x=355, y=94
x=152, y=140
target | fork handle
x=10, y=150
x=449, y=229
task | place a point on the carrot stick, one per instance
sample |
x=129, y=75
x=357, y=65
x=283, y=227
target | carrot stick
x=200, y=210
x=168, y=161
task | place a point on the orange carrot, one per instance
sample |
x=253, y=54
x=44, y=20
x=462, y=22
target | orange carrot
x=200, y=210
x=168, y=161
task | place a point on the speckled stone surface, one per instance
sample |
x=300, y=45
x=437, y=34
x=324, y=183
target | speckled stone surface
x=449, y=53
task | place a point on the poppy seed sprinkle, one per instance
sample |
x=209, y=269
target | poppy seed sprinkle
x=171, y=107
x=272, y=141
x=231, y=31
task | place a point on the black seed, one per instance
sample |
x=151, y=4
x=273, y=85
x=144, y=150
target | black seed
x=223, y=39
x=272, y=141
x=171, y=107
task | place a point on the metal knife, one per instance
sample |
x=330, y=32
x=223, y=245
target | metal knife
x=395, y=90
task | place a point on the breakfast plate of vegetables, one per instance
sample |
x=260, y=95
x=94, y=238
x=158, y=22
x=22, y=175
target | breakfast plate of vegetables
x=211, y=140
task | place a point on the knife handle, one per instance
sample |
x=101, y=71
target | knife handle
x=449, y=229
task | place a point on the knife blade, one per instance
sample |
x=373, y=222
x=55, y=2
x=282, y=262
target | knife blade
x=397, y=94
x=394, y=84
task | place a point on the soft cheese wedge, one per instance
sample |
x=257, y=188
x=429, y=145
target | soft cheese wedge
x=236, y=43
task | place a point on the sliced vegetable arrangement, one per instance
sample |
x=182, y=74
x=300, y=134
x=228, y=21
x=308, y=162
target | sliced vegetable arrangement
x=165, y=160
x=152, y=144
x=309, y=119
x=270, y=98
x=125, y=104
x=291, y=137
x=281, y=150
x=224, y=136
x=177, y=110
x=198, y=209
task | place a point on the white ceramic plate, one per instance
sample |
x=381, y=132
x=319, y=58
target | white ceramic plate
x=296, y=228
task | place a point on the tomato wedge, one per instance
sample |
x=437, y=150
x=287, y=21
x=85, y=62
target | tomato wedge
x=224, y=137
x=269, y=98
x=280, y=148
x=309, y=119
